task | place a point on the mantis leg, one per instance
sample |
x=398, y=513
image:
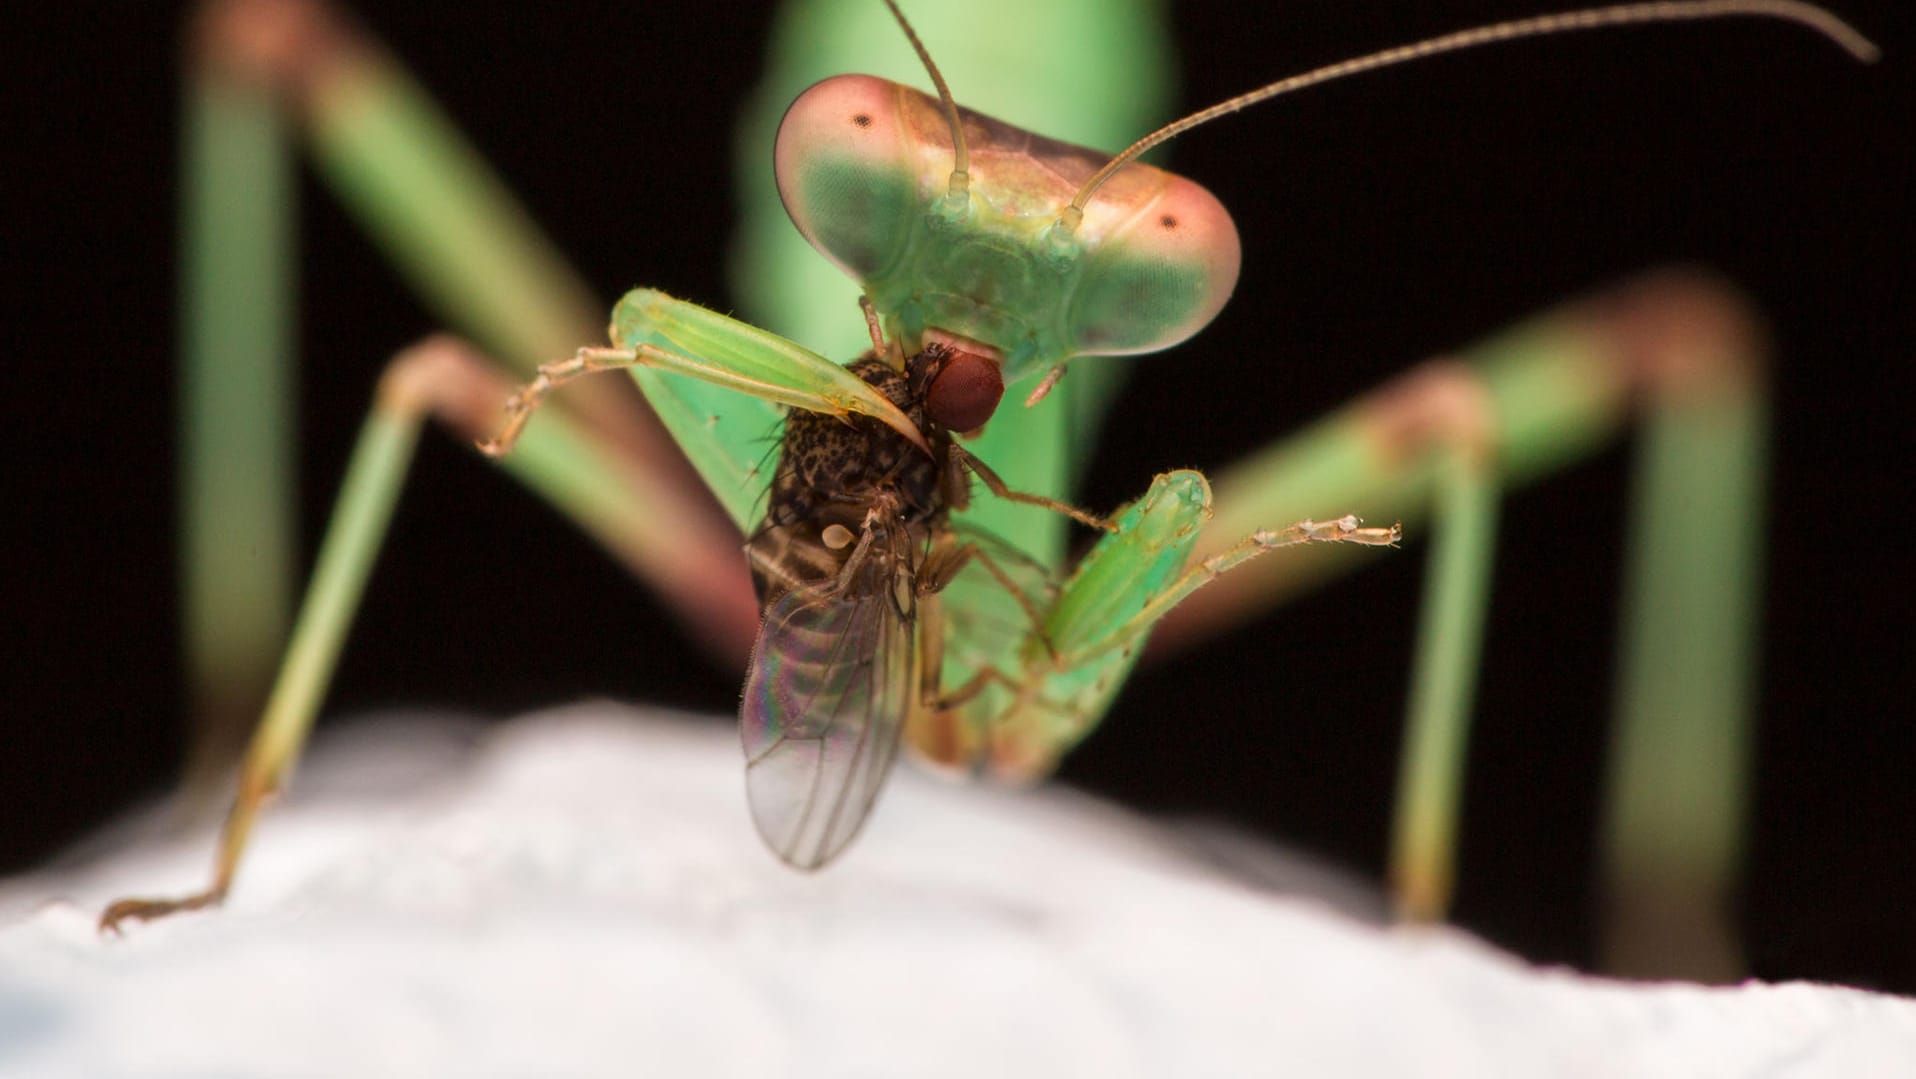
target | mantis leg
x=712, y=348
x=1455, y=604
x=1684, y=351
x=259, y=75
x=587, y=479
x=1676, y=790
x=1072, y=664
x=723, y=407
x=237, y=281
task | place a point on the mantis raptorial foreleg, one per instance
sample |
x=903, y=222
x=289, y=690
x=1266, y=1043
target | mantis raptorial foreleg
x=658, y=332
x=1072, y=662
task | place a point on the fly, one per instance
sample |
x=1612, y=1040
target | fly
x=855, y=546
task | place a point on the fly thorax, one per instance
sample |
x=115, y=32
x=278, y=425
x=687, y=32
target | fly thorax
x=846, y=485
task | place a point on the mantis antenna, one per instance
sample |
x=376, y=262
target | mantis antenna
x=1808, y=15
x=960, y=190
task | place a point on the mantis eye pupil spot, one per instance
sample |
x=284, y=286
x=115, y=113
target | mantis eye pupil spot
x=965, y=392
x=862, y=119
x=1168, y=223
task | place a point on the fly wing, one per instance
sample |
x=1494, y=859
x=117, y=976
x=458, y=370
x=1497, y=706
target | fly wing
x=831, y=684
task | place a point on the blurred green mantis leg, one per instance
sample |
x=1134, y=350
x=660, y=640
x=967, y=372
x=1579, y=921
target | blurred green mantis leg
x=1560, y=388
x=385, y=149
x=1676, y=789
x=448, y=223
x=236, y=419
x=1456, y=414
x=593, y=483
x=418, y=188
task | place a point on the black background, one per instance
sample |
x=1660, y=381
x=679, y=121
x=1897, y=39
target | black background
x=1383, y=220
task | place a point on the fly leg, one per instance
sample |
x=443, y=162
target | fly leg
x=998, y=488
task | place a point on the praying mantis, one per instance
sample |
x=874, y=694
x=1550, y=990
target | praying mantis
x=841, y=314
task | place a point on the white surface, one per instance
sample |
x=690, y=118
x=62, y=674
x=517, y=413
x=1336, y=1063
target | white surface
x=581, y=893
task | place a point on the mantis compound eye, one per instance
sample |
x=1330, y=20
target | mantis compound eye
x=964, y=392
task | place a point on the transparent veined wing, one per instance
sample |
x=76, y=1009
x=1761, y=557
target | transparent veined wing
x=832, y=683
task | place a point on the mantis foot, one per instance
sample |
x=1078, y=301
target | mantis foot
x=146, y=910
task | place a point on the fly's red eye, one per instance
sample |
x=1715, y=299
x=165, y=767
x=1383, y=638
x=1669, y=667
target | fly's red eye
x=965, y=392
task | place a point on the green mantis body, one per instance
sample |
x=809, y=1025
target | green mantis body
x=863, y=164
x=1103, y=612
x=1014, y=248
